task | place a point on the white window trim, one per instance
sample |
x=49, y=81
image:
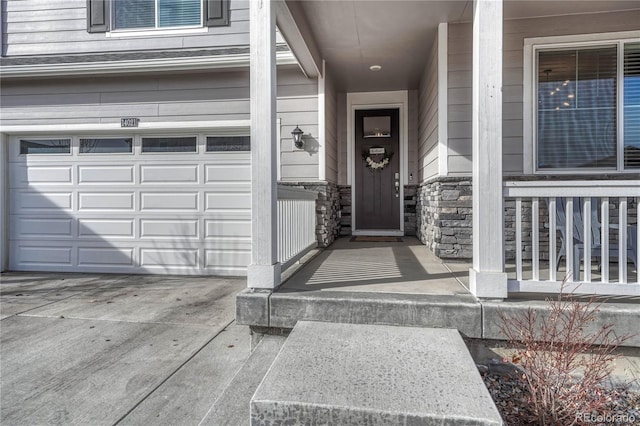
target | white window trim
x=147, y=32
x=529, y=95
x=156, y=30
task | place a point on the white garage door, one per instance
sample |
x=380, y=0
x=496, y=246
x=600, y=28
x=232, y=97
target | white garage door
x=167, y=204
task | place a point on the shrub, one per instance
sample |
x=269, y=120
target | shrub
x=564, y=360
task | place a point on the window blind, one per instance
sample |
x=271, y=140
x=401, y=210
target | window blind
x=174, y=13
x=632, y=106
x=134, y=14
x=577, y=108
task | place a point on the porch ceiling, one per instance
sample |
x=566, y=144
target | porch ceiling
x=352, y=35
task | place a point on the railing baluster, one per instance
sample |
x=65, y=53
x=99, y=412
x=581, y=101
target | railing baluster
x=586, y=215
x=535, y=238
x=569, y=243
x=622, y=241
x=604, y=239
x=296, y=222
x=519, y=238
x=552, y=239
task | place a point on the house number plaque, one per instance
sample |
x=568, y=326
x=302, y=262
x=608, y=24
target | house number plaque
x=375, y=151
x=129, y=122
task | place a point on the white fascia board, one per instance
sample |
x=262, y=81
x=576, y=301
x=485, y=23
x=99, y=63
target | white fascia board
x=216, y=126
x=144, y=65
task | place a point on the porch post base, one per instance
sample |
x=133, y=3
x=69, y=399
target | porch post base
x=489, y=285
x=264, y=276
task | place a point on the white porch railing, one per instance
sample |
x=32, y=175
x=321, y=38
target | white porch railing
x=579, y=223
x=296, y=223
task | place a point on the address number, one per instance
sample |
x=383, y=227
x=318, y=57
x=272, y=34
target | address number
x=129, y=122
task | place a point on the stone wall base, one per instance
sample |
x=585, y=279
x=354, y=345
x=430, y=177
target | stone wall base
x=444, y=221
x=410, y=201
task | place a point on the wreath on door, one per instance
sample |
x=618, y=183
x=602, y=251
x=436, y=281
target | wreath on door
x=376, y=161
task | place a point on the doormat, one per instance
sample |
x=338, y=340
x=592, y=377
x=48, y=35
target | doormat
x=371, y=239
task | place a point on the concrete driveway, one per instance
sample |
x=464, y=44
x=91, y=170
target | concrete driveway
x=115, y=349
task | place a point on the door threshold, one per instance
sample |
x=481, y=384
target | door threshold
x=378, y=233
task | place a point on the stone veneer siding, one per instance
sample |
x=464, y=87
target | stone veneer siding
x=410, y=200
x=444, y=216
x=327, y=209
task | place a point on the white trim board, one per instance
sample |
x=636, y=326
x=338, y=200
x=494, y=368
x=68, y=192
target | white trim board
x=143, y=126
x=378, y=100
x=4, y=211
x=322, y=125
x=443, y=99
x=141, y=65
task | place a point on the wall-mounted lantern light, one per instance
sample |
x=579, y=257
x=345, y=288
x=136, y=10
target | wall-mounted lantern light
x=297, y=137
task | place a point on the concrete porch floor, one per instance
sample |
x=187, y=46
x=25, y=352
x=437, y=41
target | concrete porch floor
x=380, y=267
x=402, y=284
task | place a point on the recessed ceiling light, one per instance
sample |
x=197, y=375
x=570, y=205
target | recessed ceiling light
x=375, y=67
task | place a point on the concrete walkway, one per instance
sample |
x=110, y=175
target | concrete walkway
x=114, y=349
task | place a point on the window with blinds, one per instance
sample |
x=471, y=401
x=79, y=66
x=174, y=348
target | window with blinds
x=632, y=106
x=140, y=14
x=578, y=113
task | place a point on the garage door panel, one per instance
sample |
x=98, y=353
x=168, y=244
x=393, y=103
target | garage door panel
x=214, y=258
x=168, y=174
x=35, y=227
x=43, y=256
x=24, y=176
x=227, y=201
x=154, y=228
x=40, y=202
x=106, y=256
x=228, y=172
x=106, y=228
x=105, y=201
x=158, y=201
x=105, y=174
x=227, y=229
x=163, y=258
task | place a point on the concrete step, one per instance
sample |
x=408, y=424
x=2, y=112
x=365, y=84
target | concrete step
x=232, y=407
x=282, y=309
x=353, y=374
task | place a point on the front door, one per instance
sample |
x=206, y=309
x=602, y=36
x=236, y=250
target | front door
x=377, y=170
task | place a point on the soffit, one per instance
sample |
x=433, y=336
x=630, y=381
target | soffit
x=353, y=35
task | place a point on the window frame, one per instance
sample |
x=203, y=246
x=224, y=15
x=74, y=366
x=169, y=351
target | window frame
x=142, y=31
x=532, y=46
x=168, y=136
x=98, y=154
x=44, y=138
x=234, y=135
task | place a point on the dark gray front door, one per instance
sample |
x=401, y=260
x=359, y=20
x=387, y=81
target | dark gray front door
x=377, y=169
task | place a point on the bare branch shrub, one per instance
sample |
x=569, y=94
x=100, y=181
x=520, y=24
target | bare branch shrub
x=565, y=363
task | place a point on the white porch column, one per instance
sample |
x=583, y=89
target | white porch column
x=4, y=214
x=487, y=277
x=264, y=271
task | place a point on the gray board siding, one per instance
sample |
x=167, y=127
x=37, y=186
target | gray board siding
x=195, y=96
x=428, y=117
x=47, y=27
x=515, y=31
